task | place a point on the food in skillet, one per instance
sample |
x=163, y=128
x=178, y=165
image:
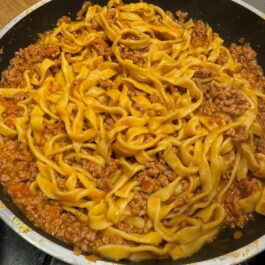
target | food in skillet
x=132, y=135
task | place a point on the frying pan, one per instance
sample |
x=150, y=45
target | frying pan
x=233, y=20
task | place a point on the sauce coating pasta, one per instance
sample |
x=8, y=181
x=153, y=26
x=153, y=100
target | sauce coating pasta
x=140, y=133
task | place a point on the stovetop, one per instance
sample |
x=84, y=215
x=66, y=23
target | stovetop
x=16, y=251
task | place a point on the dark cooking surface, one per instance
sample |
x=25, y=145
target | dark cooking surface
x=16, y=251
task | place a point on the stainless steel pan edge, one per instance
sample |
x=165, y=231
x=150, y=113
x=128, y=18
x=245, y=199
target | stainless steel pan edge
x=67, y=255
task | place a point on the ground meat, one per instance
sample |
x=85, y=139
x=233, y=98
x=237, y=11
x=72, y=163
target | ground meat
x=163, y=168
x=238, y=235
x=111, y=15
x=148, y=185
x=135, y=92
x=138, y=204
x=238, y=134
x=182, y=16
x=94, y=24
x=184, y=184
x=222, y=58
x=93, y=168
x=54, y=128
x=170, y=14
x=132, y=36
x=250, y=70
x=199, y=35
x=102, y=47
x=180, y=201
x=260, y=144
x=230, y=101
x=157, y=98
x=108, y=84
x=212, y=112
x=128, y=228
x=260, y=141
x=104, y=180
x=135, y=55
x=227, y=100
x=235, y=217
x=16, y=163
x=157, y=174
x=64, y=19
x=61, y=182
x=137, y=106
x=225, y=177
x=111, y=166
x=12, y=111
x=76, y=85
x=202, y=72
x=21, y=96
x=261, y=113
x=105, y=240
x=27, y=59
x=109, y=122
x=163, y=179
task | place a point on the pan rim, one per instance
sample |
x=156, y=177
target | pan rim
x=32, y=8
x=44, y=244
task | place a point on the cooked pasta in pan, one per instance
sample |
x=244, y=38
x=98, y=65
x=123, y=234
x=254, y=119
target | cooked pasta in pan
x=131, y=134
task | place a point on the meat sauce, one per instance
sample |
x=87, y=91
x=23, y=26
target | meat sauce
x=18, y=169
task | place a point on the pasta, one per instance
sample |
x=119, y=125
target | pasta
x=134, y=94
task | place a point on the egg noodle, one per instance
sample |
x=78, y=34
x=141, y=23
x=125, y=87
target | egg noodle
x=193, y=145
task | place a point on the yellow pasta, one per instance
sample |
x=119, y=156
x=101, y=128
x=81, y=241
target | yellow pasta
x=147, y=85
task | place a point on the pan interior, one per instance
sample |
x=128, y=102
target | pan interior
x=229, y=19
